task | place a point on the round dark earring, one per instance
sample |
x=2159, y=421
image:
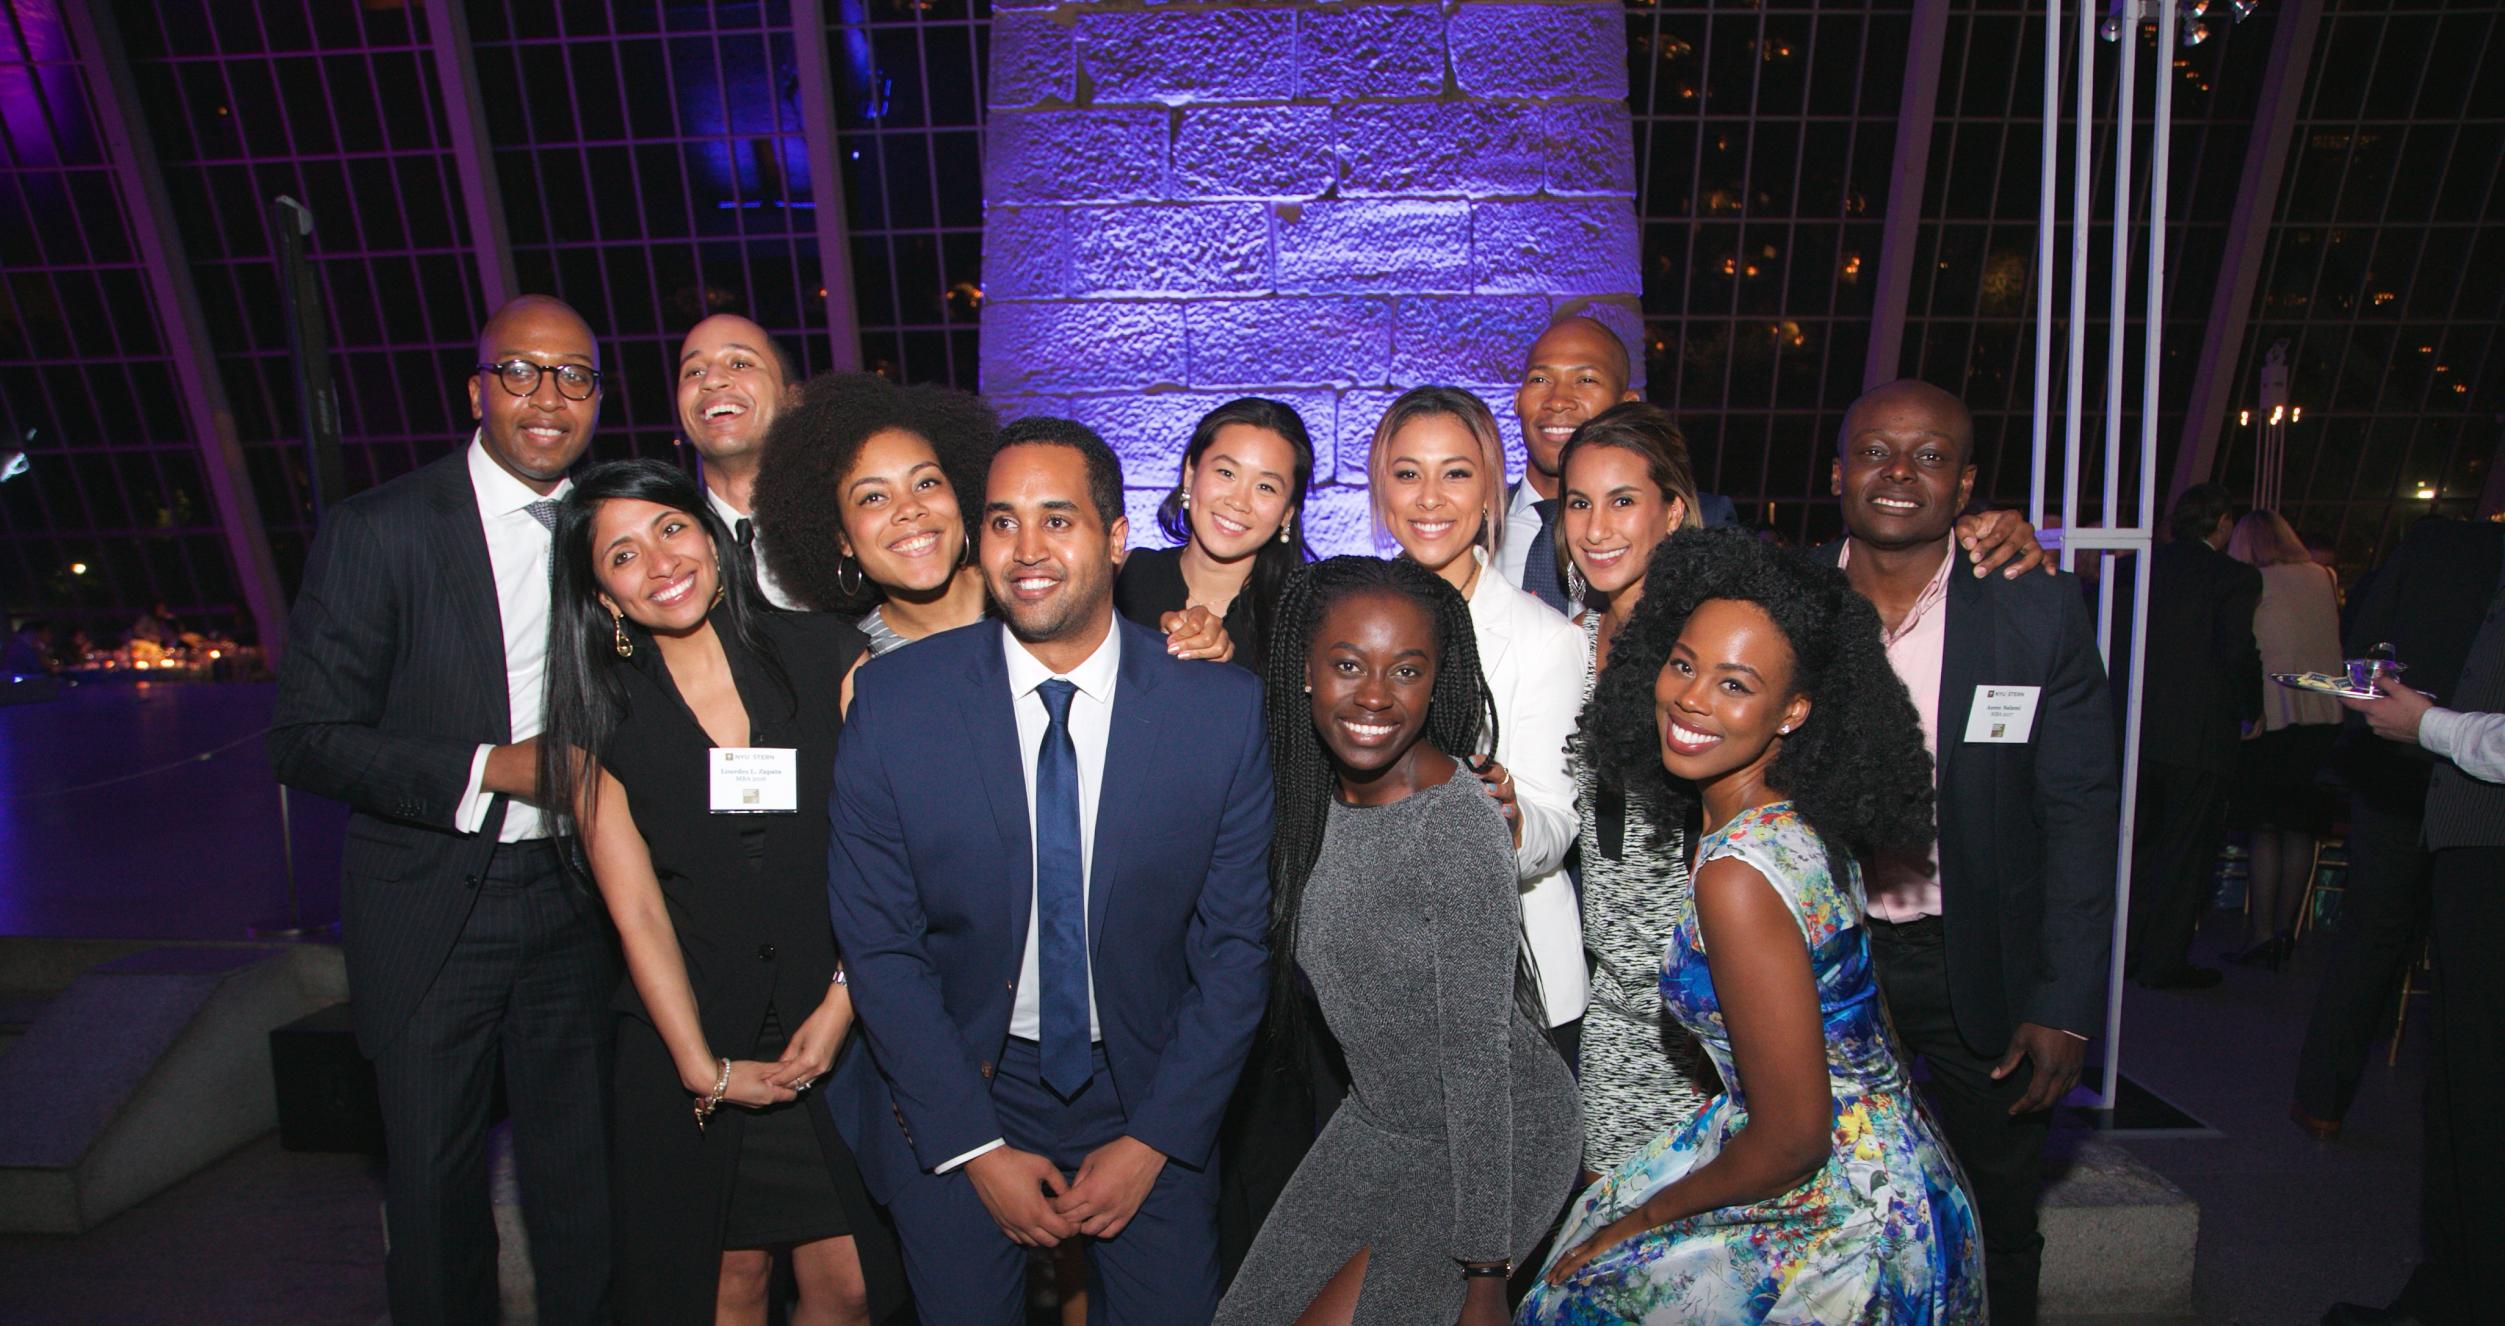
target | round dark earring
x=617, y=623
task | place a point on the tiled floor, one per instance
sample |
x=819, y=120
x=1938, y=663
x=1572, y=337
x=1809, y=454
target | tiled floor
x=267, y=1236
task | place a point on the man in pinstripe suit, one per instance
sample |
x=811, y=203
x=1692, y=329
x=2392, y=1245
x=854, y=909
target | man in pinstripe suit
x=412, y=692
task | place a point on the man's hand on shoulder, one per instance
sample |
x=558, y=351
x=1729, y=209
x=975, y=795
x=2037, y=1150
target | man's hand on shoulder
x=1020, y=1189
x=2003, y=539
x=1112, y=1182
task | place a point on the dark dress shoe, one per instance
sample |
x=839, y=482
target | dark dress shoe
x=2185, y=977
x=2322, y=1129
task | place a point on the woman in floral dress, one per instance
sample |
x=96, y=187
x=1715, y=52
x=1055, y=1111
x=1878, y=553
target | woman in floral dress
x=1814, y=1189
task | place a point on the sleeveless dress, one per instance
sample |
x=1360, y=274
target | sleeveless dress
x=1458, y=1138
x=1885, y=1232
x=1642, y=1073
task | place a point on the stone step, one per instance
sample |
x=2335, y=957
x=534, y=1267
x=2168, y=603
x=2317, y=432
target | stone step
x=143, y=1070
x=2119, y=1238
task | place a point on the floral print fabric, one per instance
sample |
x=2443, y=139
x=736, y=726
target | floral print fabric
x=1885, y=1232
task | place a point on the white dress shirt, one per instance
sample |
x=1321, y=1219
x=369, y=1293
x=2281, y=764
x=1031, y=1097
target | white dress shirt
x=517, y=553
x=1535, y=661
x=773, y=588
x=1522, y=524
x=1091, y=722
x=2473, y=741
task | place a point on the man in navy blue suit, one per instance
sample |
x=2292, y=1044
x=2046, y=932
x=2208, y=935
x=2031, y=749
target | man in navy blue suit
x=1050, y=880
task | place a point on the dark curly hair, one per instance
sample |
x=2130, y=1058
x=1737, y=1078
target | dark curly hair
x=1856, y=769
x=813, y=445
x=1460, y=712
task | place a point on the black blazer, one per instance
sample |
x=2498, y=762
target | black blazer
x=394, y=676
x=2204, y=668
x=2427, y=601
x=2028, y=833
x=1151, y=585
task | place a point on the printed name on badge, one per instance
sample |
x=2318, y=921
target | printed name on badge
x=2003, y=715
x=755, y=780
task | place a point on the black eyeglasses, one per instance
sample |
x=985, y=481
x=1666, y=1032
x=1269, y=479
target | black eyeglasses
x=521, y=377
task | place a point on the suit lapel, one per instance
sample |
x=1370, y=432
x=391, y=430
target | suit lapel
x=1965, y=656
x=991, y=732
x=466, y=583
x=1130, y=774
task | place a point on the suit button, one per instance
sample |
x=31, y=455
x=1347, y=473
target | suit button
x=471, y=880
x=985, y=1068
x=1010, y=985
x=765, y=953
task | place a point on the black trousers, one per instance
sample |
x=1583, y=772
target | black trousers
x=2461, y=1223
x=2003, y=1157
x=528, y=986
x=2383, y=914
x=2182, y=822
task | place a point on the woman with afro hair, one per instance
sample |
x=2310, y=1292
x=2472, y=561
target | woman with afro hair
x=1395, y=895
x=870, y=500
x=1815, y=1188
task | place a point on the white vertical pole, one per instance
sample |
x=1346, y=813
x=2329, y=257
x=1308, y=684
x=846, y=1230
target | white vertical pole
x=2161, y=127
x=2047, y=226
x=2082, y=202
x=2118, y=301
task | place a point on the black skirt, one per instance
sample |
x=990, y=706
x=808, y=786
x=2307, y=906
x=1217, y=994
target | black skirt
x=2279, y=784
x=783, y=1188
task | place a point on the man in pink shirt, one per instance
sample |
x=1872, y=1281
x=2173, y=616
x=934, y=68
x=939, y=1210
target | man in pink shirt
x=1991, y=947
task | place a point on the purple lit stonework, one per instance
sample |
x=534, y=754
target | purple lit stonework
x=1322, y=202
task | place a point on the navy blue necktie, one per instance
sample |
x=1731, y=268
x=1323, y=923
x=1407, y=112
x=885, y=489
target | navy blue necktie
x=1060, y=902
x=1539, y=570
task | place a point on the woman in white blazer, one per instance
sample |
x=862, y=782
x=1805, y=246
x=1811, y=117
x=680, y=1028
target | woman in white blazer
x=1436, y=474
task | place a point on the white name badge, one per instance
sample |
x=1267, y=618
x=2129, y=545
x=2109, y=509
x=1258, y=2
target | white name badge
x=2003, y=714
x=755, y=779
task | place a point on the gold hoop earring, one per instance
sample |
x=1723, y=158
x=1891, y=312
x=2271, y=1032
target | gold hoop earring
x=617, y=623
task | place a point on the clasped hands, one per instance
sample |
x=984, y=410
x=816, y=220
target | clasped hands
x=1037, y=1207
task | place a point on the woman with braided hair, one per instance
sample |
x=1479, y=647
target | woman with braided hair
x=1394, y=894
x=1752, y=682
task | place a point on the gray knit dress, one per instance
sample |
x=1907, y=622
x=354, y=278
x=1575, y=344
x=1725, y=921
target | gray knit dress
x=1459, y=1137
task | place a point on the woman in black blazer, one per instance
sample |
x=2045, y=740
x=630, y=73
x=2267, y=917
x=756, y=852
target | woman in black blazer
x=1236, y=516
x=699, y=786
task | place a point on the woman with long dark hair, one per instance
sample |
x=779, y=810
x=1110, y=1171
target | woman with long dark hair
x=1395, y=896
x=1236, y=517
x=1436, y=477
x=692, y=739
x=1751, y=683
x=1626, y=485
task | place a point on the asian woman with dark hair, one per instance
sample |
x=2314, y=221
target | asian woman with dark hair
x=1236, y=519
x=685, y=739
x=1751, y=683
x=1394, y=893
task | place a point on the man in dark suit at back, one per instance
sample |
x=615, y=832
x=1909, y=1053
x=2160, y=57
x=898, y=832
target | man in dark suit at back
x=1050, y=877
x=2203, y=683
x=412, y=692
x=1992, y=948
x=2427, y=601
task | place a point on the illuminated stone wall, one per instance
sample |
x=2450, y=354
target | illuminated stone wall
x=1322, y=202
